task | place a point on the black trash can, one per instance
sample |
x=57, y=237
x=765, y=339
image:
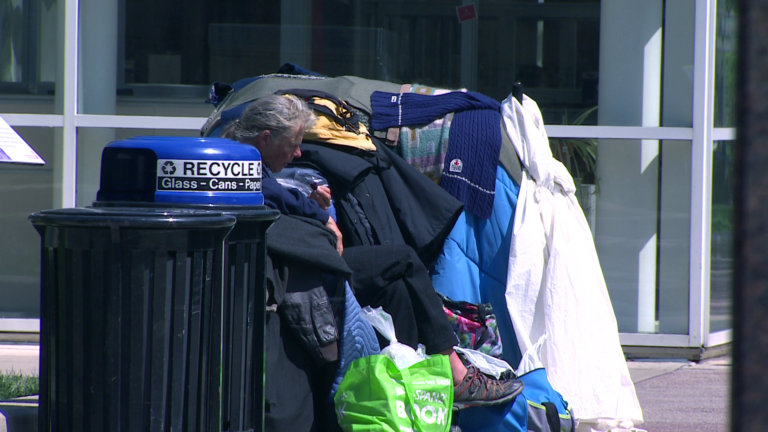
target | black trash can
x=128, y=313
x=242, y=399
x=244, y=313
x=159, y=162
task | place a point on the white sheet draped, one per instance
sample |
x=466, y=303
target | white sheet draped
x=555, y=284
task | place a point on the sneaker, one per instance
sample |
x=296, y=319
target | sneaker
x=479, y=389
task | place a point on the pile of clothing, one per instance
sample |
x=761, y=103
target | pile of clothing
x=469, y=185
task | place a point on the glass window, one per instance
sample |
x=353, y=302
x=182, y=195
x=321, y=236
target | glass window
x=24, y=190
x=28, y=49
x=26, y=104
x=28, y=46
x=169, y=107
x=551, y=48
x=229, y=40
x=721, y=258
x=642, y=232
x=646, y=64
x=188, y=42
x=725, y=63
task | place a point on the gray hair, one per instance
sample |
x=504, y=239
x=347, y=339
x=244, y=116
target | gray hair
x=278, y=114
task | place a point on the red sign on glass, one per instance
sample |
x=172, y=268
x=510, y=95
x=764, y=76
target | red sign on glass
x=466, y=12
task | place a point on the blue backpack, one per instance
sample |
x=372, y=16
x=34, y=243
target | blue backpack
x=539, y=408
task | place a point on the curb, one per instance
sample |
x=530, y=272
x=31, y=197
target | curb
x=19, y=415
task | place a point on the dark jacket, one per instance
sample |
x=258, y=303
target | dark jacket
x=300, y=251
x=381, y=200
x=301, y=254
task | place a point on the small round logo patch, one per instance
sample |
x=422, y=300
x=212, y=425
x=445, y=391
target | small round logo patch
x=456, y=165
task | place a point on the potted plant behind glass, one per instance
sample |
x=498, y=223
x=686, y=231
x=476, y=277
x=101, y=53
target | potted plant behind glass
x=579, y=155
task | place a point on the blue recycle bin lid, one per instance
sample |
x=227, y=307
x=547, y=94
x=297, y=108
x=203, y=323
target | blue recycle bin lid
x=182, y=170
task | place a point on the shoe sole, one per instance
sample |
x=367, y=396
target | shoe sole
x=480, y=403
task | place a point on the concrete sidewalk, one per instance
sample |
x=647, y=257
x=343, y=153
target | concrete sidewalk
x=20, y=358
x=676, y=396
x=683, y=396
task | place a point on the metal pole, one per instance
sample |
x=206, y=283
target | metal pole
x=750, y=345
x=69, y=160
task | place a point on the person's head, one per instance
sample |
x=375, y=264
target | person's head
x=275, y=125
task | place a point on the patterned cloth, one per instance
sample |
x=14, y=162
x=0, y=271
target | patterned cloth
x=468, y=327
x=424, y=147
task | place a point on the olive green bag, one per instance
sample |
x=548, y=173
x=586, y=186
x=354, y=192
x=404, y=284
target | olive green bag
x=377, y=396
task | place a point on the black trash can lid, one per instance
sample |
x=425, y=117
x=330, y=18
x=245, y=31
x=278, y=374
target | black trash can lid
x=242, y=212
x=165, y=218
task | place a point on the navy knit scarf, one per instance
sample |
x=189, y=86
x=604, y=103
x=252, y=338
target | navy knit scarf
x=474, y=140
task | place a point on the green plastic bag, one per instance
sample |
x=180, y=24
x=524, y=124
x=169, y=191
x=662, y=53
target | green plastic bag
x=375, y=396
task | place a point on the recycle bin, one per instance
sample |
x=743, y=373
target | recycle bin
x=172, y=161
x=128, y=297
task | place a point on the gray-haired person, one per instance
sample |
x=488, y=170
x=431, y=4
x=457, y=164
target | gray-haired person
x=275, y=125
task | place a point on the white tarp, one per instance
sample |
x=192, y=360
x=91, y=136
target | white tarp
x=555, y=284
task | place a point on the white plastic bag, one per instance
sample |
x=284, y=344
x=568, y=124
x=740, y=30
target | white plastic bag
x=403, y=355
x=532, y=358
x=487, y=364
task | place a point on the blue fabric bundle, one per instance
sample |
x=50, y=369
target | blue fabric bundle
x=474, y=141
x=358, y=339
x=538, y=408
